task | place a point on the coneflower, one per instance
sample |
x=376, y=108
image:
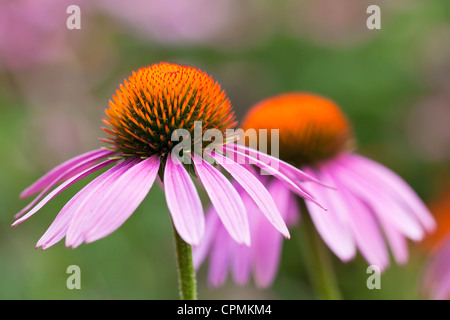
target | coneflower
x=369, y=206
x=144, y=121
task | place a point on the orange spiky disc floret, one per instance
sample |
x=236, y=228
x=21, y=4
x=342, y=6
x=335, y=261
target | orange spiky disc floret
x=158, y=99
x=311, y=128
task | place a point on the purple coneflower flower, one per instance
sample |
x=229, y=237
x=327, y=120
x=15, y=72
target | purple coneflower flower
x=173, y=22
x=142, y=118
x=33, y=32
x=370, y=205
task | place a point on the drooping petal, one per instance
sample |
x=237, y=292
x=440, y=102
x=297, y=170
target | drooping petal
x=240, y=262
x=377, y=199
x=61, y=187
x=219, y=258
x=256, y=190
x=212, y=224
x=361, y=221
x=266, y=253
x=78, y=166
x=279, y=175
x=395, y=186
x=58, y=229
x=184, y=202
x=397, y=241
x=226, y=200
x=284, y=167
x=58, y=173
x=241, y=256
x=329, y=224
x=120, y=201
x=80, y=207
x=286, y=201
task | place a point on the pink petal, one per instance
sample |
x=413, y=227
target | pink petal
x=330, y=225
x=266, y=253
x=436, y=277
x=219, y=258
x=376, y=197
x=240, y=262
x=287, y=202
x=284, y=167
x=279, y=175
x=78, y=166
x=396, y=186
x=361, y=221
x=58, y=173
x=63, y=186
x=397, y=241
x=120, y=201
x=212, y=224
x=183, y=202
x=226, y=200
x=60, y=225
x=82, y=206
x=242, y=257
x=256, y=190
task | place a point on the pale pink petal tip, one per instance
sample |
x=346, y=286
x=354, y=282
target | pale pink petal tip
x=104, y=204
x=61, y=187
x=58, y=173
x=63, y=173
x=76, y=206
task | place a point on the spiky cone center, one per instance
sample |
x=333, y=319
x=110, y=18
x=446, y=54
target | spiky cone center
x=311, y=128
x=157, y=100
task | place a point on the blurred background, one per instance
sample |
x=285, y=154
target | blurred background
x=393, y=83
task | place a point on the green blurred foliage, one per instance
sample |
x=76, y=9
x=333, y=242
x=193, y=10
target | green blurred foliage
x=376, y=80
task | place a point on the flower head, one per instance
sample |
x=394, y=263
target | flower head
x=144, y=118
x=369, y=203
x=156, y=101
x=312, y=129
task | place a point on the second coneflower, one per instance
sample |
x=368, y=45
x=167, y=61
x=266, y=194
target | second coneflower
x=369, y=203
x=155, y=108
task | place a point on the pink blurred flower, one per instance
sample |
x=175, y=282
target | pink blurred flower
x=172, y=21
x=32, y=32
x=370, y=205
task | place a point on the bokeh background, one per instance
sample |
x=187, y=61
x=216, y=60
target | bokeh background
x=393, y=83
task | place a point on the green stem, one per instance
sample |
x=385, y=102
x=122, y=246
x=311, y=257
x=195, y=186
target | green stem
x=186, y=272
x=316, y=255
